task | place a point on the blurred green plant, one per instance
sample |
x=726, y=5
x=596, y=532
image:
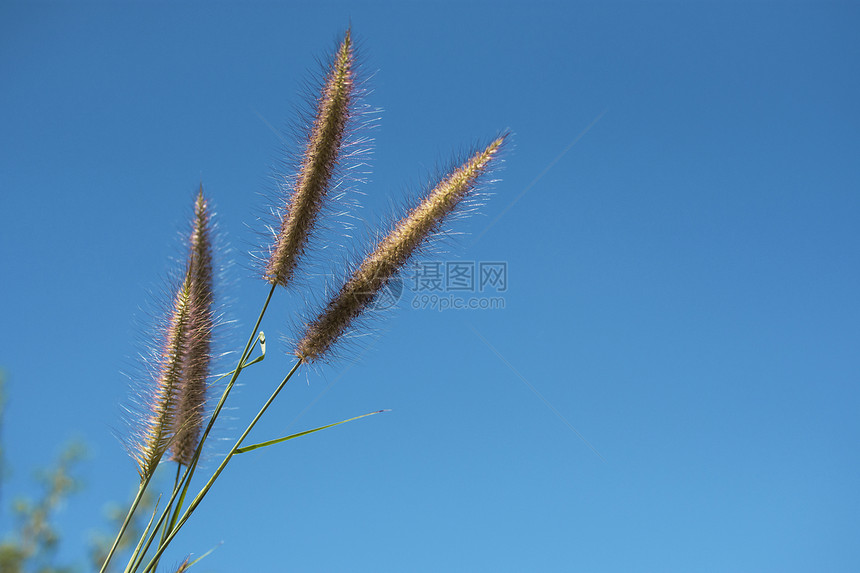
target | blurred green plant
x=31, y=545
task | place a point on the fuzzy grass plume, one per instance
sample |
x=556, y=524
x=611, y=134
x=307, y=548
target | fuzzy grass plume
x=156, y=434
x=392, y=253
x=191, y=391
x=174, y=409
x=324, y=148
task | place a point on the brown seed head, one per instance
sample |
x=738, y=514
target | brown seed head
x=156, y=432
x=324, y=146
x=191, y=391
x=392, y=253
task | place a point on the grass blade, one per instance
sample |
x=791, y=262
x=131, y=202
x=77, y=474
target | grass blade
x=305, y=433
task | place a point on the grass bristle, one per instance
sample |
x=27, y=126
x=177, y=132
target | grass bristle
x=391, y=254
x=323, y=151
x=191, y=392
x=157, y=428
x=174, y=405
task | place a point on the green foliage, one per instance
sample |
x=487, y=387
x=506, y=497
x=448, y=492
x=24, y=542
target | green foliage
x=31, y=546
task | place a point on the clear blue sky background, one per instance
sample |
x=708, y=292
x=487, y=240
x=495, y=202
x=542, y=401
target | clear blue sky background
x=683, y=279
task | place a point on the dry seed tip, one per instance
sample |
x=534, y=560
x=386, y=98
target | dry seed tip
x=392, y=253
x=319, y=163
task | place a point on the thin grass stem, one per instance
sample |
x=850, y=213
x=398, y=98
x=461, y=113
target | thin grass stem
x=193, y=505
x=126, y=521
x=252, y=342
x=146, y=530
x=176, y=481
x=189, y=472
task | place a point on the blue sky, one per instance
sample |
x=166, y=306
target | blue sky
x=678, y=214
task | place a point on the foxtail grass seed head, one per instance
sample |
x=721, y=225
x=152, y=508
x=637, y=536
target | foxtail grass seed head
x=323, y=150
x=173, y=409
x=191, y=390
x=392, y=253
x=156, y=431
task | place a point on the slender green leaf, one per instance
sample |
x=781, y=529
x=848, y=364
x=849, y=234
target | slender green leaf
x=305, y=433
x=205, y=555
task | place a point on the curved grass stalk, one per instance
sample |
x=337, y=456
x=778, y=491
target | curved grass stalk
x=196, y=502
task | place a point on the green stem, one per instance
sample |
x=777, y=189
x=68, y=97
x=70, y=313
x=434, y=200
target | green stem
x=164, y=531
x=145, y=532
x=126, y=521
x=193, y=505
x=189, y=472
x=251, y=341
